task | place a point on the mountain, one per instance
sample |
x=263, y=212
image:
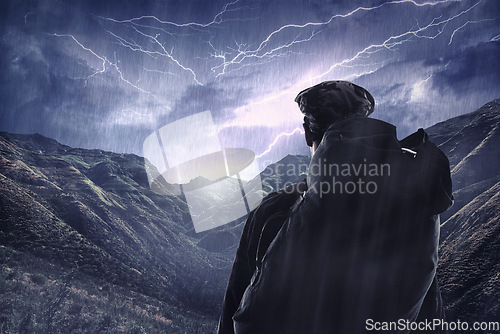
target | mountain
x=91, y=214
x=471, y=143
x=86, y=246
x=469, y=268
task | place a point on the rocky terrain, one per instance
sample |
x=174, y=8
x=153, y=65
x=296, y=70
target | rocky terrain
x=469, y=269
x=88, y=216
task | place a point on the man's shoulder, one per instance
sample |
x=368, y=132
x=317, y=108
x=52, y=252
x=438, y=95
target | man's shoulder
x=273, y=209
x=281, y=200
x=419, y=141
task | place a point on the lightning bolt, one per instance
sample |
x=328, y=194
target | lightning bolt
x=396, y=40
x=160, y=72
x=134, y=46
x=390, y=43
x=216, y=20
x=267, y=56
x=245, y=54
x=283, y=134
x=400, y=39
x=150, y=33
x=264, y=58
x=135, y=22
x=105, y=61
x=417, y=88
x=168, y=54
x=467, y=23
x=235, y=58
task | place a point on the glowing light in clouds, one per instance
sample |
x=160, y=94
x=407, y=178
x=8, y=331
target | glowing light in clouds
x=141, y=67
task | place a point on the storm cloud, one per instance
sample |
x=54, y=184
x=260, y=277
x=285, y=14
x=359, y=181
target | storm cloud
x=105, y=74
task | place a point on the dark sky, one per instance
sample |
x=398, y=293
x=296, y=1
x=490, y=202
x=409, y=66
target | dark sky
x=105, y=74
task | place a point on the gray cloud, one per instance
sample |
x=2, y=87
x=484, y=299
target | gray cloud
x=419, y=73
x=474, y=69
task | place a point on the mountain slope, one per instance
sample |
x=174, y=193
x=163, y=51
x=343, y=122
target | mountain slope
x=471, y=143
x=469, y=268
x=92, y=211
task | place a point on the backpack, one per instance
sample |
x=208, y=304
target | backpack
x=319, y=270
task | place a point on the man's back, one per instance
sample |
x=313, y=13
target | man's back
x=360, y=245
x=363, y=242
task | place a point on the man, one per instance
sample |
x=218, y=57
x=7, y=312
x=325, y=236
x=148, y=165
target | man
x=355, y=247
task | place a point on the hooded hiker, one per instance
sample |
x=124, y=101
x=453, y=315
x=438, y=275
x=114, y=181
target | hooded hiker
x=353, y=247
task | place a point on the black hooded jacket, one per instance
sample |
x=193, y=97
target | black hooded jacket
x=358, y=247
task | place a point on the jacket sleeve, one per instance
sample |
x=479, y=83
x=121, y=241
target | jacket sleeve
x=272, y=212
x=241, y=274
x=443, y=185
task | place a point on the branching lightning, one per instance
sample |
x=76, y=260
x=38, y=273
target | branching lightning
x=390, y=43
x=234, y=59
x=283, y=134
x=265, y=57
x=106, y=61
x=467, y=23
x=216, y=20
x=167, y=54
x=103, y=59
x=244, y=54
x=157, y=39
x=399, y=39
